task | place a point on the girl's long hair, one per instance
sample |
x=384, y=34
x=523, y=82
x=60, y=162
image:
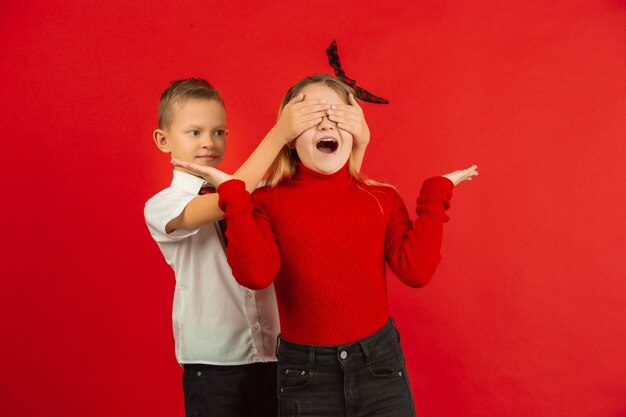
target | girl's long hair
x=284, y=166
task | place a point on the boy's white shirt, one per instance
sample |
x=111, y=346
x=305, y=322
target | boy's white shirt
x=216, y=321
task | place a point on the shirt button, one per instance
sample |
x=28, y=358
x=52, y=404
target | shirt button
x=257, y=326
x=249, y=294
x=343, y=355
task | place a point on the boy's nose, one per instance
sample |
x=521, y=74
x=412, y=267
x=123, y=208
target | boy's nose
x=207, y=141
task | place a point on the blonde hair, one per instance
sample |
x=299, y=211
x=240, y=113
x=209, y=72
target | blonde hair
x=179, y=92
x=284, y=166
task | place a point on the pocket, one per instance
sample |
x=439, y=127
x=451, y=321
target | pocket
x=386, y=365
x=293, y=378
x=208, y=371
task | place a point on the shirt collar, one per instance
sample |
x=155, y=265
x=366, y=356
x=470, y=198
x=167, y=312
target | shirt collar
x=187, y=182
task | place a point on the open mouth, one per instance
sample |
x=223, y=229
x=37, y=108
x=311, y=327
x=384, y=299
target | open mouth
x=327, y=145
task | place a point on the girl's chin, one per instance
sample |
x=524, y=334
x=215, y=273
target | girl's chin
x=325, y=166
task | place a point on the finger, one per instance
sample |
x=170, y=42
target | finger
x=188, y=168
x=308, y=102
x=350, y=128
x=296, y=99
x=350, y=125
x=191, y=169
x=311, y=108
x=198, y=168
x=333, y=115
x=347, y=108
x=309, y=124
x=310, y=116
x=353, y=101
x=181, y=164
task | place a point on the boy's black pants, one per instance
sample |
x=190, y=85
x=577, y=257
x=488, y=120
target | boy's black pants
x=230, y=391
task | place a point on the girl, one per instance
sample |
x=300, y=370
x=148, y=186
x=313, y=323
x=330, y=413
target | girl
x=322, y=233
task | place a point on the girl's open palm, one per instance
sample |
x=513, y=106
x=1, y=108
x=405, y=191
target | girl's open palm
x=462, y=175
x=210, y=174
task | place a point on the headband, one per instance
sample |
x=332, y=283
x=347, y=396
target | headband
x=361, y=93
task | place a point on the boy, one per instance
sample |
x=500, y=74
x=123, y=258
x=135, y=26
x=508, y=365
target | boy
x=225, y=334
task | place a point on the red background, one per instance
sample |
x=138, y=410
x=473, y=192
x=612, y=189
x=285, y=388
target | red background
x=526, y=315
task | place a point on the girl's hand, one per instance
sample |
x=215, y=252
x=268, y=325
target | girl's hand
x=462, y=175
x=299, y=115
x=350, y=118
x=209, y=174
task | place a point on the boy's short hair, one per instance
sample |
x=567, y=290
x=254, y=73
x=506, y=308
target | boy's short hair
x=179, y=92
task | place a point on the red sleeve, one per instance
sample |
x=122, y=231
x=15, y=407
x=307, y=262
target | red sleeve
x=413, y=251
x=252, y=252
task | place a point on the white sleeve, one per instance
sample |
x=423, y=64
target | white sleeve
x=164, y=207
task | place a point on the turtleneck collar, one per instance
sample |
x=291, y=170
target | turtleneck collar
x=305, y=174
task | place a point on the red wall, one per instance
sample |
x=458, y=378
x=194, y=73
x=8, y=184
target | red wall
x=526, y=315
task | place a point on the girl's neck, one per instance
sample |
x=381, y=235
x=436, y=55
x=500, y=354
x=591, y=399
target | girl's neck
x=306, y=174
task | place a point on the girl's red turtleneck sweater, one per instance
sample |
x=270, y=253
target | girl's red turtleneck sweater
x=323, y=240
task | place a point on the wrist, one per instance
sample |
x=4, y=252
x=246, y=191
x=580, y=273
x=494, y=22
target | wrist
x=360, y=146
x=281, y=136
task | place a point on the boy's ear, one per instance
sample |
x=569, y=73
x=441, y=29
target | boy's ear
x=160, y=139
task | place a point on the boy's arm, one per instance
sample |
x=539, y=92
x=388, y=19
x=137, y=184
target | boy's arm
x=297, y=116
x=204, y=209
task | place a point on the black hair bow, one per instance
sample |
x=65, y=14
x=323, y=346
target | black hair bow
x=363, y=94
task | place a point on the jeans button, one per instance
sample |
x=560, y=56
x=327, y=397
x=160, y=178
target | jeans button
x=343, y=354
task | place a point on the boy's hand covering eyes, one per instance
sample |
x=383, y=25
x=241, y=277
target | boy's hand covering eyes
x=350, y=118
x=209, y=174
x=299, y=115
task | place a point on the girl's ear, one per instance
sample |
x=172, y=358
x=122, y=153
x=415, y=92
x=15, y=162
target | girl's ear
x=292, y=145
x=160, y=139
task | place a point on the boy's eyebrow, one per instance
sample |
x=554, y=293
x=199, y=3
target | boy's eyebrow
x=193, y=126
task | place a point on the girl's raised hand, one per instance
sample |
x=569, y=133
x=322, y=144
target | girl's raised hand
x=462, y=175
x=299, y=115
x=209, y=174
x=350, y=118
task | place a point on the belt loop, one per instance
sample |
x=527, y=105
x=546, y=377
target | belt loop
x=311, y=363
x=393, y=323
x=277, y=345
x=366, y=351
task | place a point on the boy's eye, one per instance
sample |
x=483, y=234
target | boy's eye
x=220, y=132
x=195, y=132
